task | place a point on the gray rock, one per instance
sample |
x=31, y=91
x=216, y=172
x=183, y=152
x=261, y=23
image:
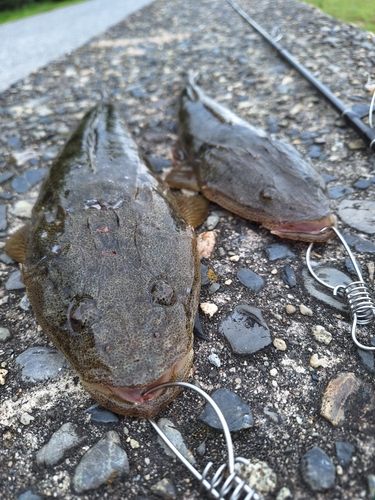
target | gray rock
x=25, y=181
x=164, y=489
x=331, y=276
x=359, y=214
x=6, y=259
x=40, y=363
x=318, y=470
x=3, y=217
x=212, y=221
x=6, y=176
x=60, y=442
x=105, y=459
x=246, y=330
x=14, y=281
x=344, y=452
x=335, y=192
x=236, y=412
x=100, y=415
x=362, y=184
x=289, y=276
x=213, y=288
x=4, y=334
x=29, y=495
x=174, y=435
x=277, y=251
x=24, y=303
x=251, y=280
x=359, y=243
x=214, y=360
x=367, y=359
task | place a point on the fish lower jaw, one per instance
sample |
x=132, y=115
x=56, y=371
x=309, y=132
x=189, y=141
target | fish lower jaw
x=132, y=401
x=309, y=231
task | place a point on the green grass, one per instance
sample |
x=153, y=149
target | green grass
x=359, y=12
x=30, y=10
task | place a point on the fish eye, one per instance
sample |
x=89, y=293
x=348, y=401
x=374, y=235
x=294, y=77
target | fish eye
x=267, y=194
x=82, y=313
x=162, y=293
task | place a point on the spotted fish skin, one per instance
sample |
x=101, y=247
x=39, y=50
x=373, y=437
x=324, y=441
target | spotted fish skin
x=111, y=268
x=243, y=169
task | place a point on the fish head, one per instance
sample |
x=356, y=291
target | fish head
x=272, y=185
x=119, y=299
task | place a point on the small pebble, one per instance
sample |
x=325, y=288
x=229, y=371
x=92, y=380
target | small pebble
x=174, y=435
x=306, y=311
x=100, y=463
x=26, y=418
x=14, y=281
x=40, y=363
x=236, y=412
x=209, y=308
x=318, y=470
x=344, y=452
x=251, y=280
x=214, y=360
x=64, y=439
x=212, y=221
x=284, y=494
x=206, y=243
x=234, y=258
x=290, y=309
x=164, y=489
x=3, y=374
x=258, y=475
x=4, y=334
x=316, y=362
x=279, y=344
x=321, y=334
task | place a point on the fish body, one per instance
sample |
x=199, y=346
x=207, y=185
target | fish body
x=243, y=169
x=111, y=268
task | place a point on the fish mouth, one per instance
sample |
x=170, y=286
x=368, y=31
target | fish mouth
x=309, y=231
x=132, y=401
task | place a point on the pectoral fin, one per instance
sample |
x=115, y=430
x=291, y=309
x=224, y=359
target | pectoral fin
x=194, y=209
x=16, y=244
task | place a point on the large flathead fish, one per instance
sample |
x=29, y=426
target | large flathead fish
x=111, y=268
x=243, y=169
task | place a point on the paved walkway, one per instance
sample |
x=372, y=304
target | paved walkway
x=31, y=43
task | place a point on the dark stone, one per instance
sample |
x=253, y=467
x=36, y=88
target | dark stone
x=6, y=176
x=29, y=495
x=344, y=452
x=25, y=181
x=236, y=412
x=3, y=217
x=362, y=184
x=278, y=251
x=289, y=276
x=336, y=192
x=198, y=330
x=318, y=470
x=359, y=243
x=205, y=279
x=14, y=142
x=159, y=164
x=350, y=267
x=100, y=415
x=314, y=151
x=14, y=281
x=367, y=359
x=251, y=280
x=246, y=330
x=328, y=178
x=6, y=196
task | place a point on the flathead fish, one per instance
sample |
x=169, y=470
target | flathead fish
x=111, y=268
x=243, y=169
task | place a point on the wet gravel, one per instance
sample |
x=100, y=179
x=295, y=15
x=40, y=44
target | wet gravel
x=142, y=64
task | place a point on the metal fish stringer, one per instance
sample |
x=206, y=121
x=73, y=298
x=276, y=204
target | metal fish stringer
x=361, y=304
x=224, y=484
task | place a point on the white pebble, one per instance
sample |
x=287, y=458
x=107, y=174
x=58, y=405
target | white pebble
x=209, y=308
x=306, y=311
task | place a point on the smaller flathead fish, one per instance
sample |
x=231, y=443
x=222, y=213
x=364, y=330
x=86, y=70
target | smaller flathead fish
x=243, y=169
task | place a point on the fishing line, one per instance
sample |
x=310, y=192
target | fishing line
x=367, y=133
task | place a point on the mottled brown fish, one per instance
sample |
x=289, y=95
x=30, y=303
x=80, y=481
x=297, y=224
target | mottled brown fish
x=111, y=268
x=244, y=170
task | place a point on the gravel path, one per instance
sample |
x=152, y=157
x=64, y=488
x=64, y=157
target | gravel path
x=31, y=43
x=307, y=396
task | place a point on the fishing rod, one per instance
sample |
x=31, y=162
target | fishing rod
x=353, y=119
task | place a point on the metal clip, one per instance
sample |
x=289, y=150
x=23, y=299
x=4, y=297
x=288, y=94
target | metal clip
x=224, y=484
x=361, y=305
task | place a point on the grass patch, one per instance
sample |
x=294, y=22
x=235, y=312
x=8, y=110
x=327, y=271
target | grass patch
x=30, y=10
x=359, y=12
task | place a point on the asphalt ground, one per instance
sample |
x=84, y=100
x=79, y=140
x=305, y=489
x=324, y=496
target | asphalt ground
x=29, y=44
